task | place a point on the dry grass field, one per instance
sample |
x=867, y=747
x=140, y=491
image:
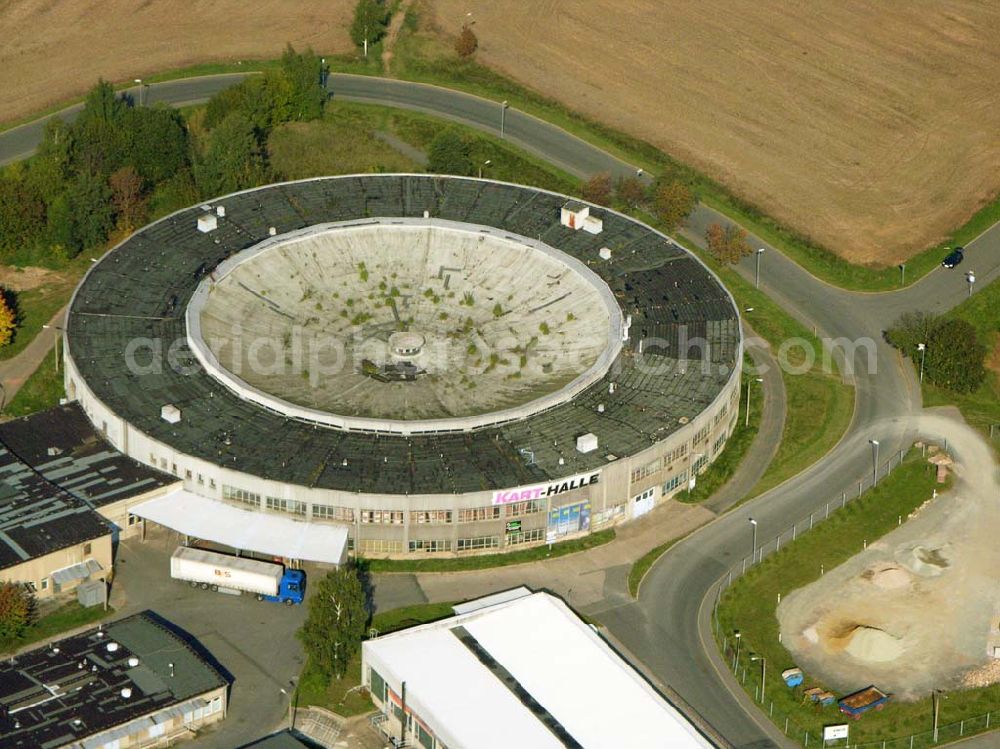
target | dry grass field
x=869, y=126
x=54, y=49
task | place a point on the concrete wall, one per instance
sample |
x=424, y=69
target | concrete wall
x=610, y=498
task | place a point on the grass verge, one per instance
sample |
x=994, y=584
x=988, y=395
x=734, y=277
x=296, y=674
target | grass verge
x=487, y=561
x=68, y=616
x=724, y=466
x=40, y=391
x=750, y=607
x=643, y=564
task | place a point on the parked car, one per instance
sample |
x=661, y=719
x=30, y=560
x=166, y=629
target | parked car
x=954, y=257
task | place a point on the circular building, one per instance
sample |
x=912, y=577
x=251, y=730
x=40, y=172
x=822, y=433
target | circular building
x=436, y=364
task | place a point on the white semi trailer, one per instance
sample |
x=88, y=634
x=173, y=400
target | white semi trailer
x=209, y=569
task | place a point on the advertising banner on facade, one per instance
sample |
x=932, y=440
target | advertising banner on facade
x=551, y=489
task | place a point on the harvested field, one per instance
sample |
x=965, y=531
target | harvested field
x=870, y=127
x=55, y=49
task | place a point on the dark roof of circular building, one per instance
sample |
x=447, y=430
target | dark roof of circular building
x=139, y=293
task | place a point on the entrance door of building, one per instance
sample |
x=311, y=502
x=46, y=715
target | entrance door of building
x=643, y=503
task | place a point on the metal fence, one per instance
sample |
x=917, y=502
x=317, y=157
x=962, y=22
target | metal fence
x=749, y=675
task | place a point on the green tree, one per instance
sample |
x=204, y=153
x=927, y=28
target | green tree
x=233, y=158
x=158, y=145
x=90, y=201
x=17, y=611
x=60, y=229
x=449, y=154
x=304, y=73
x=673, y=203
x=49, y=168
x=371, y=19
x=22, y=211
x=100, y=132
x=954, y=356
x=127, y=196
x=266, y=100
x=336, y=621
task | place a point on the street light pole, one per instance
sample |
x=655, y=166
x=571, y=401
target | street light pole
x=922, y=348
x=483, y=166
x=736, y=659
x=902, y=274
x=138, y=81
x=503, y=114
x=971, y=278
x=937, y=708
x=756, y=275
x=749, y=384
x=763, y=673
x=55, y=349
x=874, y=444
x=753, y=556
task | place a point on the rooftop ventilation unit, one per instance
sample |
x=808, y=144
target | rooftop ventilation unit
x=112, y=647
x=272, y=231
x=170, y=414
x=207, y=223
x=586, y=443
x=133, y=661
x=605, y=253
x=220, y=211
x=126, y=692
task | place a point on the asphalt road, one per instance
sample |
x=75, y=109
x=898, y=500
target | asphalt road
x=668, y=627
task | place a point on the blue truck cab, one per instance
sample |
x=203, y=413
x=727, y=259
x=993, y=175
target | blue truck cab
x=291, y=590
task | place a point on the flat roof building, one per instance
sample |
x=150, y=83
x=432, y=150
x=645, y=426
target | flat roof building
x=524, y=672
x=135, y=682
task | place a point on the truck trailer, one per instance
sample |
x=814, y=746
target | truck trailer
x=223, y=572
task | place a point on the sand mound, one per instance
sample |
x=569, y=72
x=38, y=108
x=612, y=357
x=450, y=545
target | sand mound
x=874, y=645
x=924, y=561
x=890, y=578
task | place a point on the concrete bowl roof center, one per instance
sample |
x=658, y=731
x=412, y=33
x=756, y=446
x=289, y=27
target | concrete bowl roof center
x=423, y=324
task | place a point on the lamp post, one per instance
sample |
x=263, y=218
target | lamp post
x=874, y=444
x=937, y=710
x=753, y=524
x=922, y=348
x=749, y=383
x=763, y=673
x=971, y=278
x=756, y=274
x=138, y=82
x=483, y=166
x=902, y=274
x=504, y=105
x=55, y=337
x=736, y=658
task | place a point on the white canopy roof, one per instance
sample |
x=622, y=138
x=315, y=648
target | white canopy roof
x=267, y=533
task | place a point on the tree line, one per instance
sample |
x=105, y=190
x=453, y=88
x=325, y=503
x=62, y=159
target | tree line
x=117, y=163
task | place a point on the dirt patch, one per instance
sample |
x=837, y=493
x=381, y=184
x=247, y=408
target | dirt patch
x=56, y=50
x=23, y=279
x=868, y=126
x=920, y=609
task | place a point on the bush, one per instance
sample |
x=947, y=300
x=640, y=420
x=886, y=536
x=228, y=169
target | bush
x=467, y=42
x=597, y=189
x=8, y=319
x=449, y=154
x=673, y=203
x=631, y=192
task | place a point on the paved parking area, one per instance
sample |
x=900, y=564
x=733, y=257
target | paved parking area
x=254, y=641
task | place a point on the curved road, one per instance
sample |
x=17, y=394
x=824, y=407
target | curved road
x=667, y=628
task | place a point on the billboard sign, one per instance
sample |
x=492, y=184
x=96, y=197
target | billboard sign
x=513, y=526
x=540, y=491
